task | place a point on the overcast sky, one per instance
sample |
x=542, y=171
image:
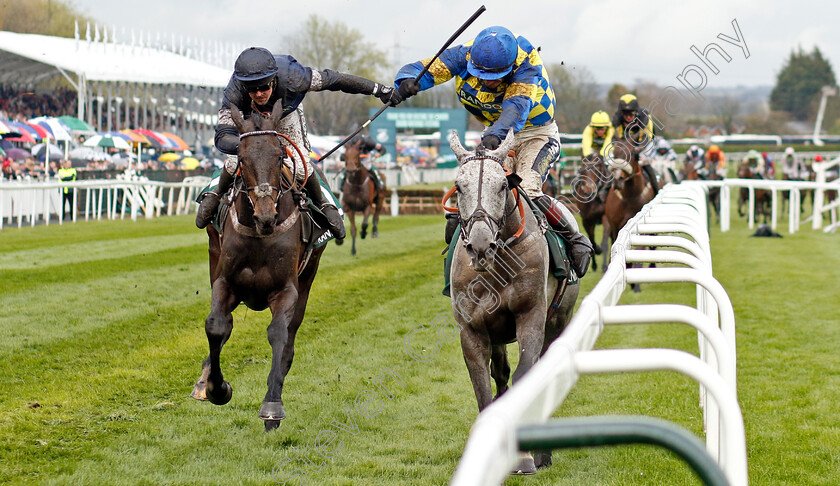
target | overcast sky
x=617, y=40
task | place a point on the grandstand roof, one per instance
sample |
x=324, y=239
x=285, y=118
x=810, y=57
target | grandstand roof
x=33, y=58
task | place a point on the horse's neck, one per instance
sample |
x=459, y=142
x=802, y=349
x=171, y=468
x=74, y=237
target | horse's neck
x=358, y=174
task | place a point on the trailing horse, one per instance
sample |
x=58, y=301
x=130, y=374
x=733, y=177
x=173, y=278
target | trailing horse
x=502, y=288
x=260, y=260
x=589, y=189
x=630, y=191
x=762, y=196
x=359, y=194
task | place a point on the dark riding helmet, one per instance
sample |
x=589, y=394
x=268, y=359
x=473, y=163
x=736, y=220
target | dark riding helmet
x=255, y=66
x=493, y=53
x=628, y=104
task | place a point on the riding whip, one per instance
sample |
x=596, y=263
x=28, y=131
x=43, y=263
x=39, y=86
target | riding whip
x=417, y=79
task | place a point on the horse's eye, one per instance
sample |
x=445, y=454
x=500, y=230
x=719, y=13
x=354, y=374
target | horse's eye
x=457, y=188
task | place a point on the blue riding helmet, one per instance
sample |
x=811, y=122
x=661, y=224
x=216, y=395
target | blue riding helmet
x=255, y=65
x=493, y=53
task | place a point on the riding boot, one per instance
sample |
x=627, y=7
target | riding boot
x=377, y=181
x=562, y=221
x=451, y=226
x=651, y=175
x=210, y=200
x=334, y=218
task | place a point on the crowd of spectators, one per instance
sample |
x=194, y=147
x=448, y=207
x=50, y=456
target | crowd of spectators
x=22, y=105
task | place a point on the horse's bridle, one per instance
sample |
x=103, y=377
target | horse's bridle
x=480, y=214
x=265, y=189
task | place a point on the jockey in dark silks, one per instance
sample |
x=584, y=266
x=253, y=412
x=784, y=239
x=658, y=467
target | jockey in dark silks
x=634, y=124
x=261, y=79
x=500, y=79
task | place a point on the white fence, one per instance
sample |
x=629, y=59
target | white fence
x=32, y=202
x=491, y=450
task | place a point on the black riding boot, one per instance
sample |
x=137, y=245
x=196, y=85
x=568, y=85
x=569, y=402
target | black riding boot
x=334, y=218
x=377, y=181
x=451, y=226
x=651, y=175
x=562, y=221
x=210, y=200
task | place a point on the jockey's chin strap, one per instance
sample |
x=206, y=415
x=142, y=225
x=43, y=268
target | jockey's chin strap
x=480, y=213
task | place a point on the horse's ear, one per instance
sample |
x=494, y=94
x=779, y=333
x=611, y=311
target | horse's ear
x=277, y=114
x=455, y=145
x=504, y=147
x=236, y=116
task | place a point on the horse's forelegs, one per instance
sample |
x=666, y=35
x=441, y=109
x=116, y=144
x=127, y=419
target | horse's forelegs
x=530, y=333
x=375, y=232
x=200, y=389
x=499, y=368
x=280, y=334
x=218, y=326
x=476, y=349
x=365, y=217
x=351, y=215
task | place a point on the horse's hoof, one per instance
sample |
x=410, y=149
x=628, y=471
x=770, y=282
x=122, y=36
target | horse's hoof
x=542, y=459
x=272, y=424
x=353, y=252
x=375, y=234
x=200, y=391
x=272, y=412
x=220, y=397
x=525, y=467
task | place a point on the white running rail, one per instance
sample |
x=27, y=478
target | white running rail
x=676, y=218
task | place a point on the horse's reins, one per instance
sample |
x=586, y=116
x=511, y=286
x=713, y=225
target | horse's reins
x=480, y=213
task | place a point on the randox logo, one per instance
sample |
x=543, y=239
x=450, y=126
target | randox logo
x=471, y=99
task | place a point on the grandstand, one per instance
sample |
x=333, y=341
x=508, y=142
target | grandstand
x=139, y=84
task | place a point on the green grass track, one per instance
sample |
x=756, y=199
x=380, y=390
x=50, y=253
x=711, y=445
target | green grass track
x=102, y=337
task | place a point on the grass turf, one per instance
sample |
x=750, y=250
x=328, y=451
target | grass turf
x=101, y=339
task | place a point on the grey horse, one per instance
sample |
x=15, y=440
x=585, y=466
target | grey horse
x=501, y=285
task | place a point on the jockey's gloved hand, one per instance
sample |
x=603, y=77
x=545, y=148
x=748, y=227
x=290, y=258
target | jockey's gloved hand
x=491, y=142
x=384, y=93
x=406, y=89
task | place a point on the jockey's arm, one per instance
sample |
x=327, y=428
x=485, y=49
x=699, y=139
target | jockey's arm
x=607, y=141
x=227, y=136
x=586, y=142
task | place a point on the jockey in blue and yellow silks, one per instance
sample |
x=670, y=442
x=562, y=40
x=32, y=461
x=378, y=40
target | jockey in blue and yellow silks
x=500, y=79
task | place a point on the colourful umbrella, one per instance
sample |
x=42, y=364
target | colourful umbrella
x=169, y=157
x=23, y=134
x=107, y=140
x=74, y=123
x=179, y=142
x=135, y=137
x=189, y=163
x=7, y=131
x=52, y=125
x=162, y=141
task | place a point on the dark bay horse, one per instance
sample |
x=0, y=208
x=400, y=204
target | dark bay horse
x=714, y=192
x=259, y=260
x=502, y=290
x=589, y=190
x=630, y=191
x=762, y=197
x=358, y=194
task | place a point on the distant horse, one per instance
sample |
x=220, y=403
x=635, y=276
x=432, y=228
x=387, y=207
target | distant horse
x=714, y=192
x=688, y=172
x=630, y=191
x=762, y=197
x=589, y=189
x=502, y=290
x=259, y=260
x=359, y=195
